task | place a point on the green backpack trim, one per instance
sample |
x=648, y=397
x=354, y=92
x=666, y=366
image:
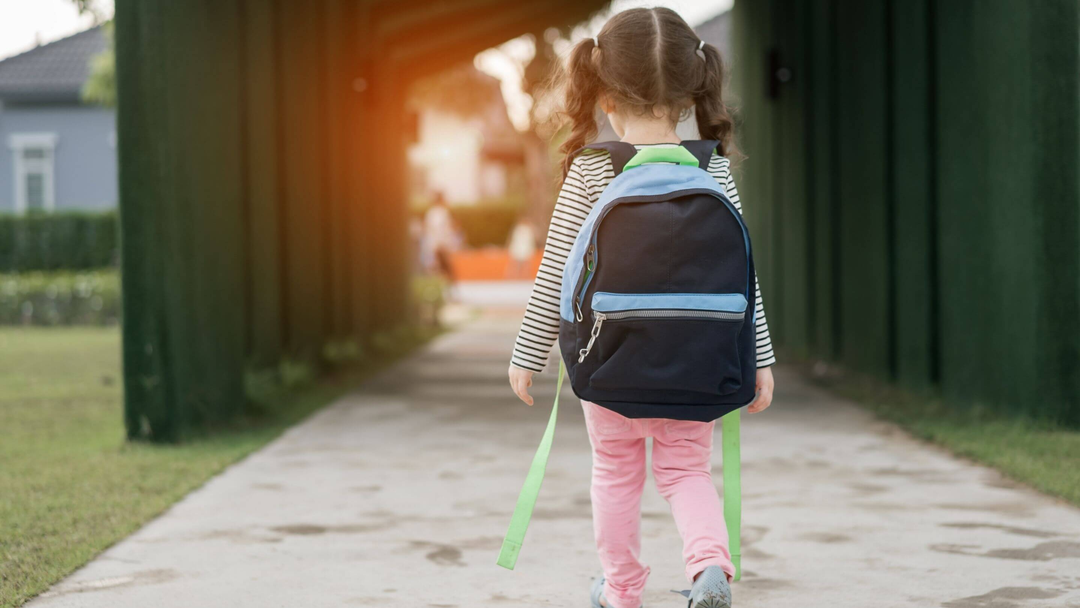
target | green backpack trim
x=674, y=154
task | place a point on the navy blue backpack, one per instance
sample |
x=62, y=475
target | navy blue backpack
x=657, y=299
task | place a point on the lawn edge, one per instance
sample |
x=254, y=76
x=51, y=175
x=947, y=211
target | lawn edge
x=854, y=387
x=325, y=390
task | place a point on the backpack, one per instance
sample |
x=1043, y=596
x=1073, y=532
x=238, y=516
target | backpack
x=657, y=303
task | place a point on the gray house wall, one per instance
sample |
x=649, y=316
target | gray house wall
x=85, y=153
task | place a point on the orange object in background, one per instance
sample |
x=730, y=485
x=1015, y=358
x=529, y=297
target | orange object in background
x=491, y=264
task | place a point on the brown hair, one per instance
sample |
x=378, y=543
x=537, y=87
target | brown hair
x=647, y=60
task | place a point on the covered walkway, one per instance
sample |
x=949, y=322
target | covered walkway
x=397, y=495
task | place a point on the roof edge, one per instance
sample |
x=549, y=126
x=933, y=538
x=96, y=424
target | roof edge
x=41, y=46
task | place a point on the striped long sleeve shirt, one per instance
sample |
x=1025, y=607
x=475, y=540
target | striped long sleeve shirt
x=590, y=173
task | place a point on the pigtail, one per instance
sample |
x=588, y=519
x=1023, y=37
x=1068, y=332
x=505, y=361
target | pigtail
x=582, y=93
x=714, y=118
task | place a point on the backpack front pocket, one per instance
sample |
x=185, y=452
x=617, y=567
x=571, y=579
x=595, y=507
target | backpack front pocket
x=666, y=342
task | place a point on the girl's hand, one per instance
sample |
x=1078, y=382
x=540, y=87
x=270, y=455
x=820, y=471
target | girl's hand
x=764, y=391
x=520, y=381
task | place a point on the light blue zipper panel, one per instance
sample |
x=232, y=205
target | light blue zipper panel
x=720, y=302
x=646, y=180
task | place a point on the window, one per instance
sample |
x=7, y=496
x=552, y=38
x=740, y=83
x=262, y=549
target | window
x=36, y=167
x=35, y=188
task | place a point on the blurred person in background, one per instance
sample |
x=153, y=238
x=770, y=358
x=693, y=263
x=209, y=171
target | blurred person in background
x=440, y=239
x=521, y=247
x=416, y=244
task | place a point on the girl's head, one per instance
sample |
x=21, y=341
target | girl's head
x=646, y=62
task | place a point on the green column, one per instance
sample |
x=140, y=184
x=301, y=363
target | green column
x=303, y=172
x=181, y=189
x=264, y=166
x=862, y=221
x=913, y=151
x=1007, y=79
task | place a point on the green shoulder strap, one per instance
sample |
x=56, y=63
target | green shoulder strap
x=519, y=522
x=732, y=488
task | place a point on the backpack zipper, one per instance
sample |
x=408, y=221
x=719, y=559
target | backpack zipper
x=671, y=313
x=620, y=315
x=584, y=282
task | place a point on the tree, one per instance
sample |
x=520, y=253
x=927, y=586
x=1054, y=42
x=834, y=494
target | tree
x=539, y=80
x=461, y=90
x=100, y=86
x=91, y=7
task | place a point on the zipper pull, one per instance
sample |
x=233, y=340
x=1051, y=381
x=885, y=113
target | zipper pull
x=580, y=294
x=592, y=336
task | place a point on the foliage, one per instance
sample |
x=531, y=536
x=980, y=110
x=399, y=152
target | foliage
x=71, y=485
x=487, y=224
x=89, y=6
x=427, y=292
x=69, y=240
x=60, y=298
x=462, y=90
x=100, y=86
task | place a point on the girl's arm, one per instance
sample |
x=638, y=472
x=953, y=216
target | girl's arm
x=540, y=327
x=720, y=169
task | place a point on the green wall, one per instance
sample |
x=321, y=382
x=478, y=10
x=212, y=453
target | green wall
x=914, y=193
x=255, y=227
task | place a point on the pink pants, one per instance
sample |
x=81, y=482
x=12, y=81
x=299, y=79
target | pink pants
x=682, y=468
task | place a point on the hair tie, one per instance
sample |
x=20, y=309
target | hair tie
x=596, y=41
x=700, y=45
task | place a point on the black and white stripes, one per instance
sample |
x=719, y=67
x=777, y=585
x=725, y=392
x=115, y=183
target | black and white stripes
x=590, y=173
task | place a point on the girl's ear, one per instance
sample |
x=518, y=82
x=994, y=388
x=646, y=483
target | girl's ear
x=606, y=105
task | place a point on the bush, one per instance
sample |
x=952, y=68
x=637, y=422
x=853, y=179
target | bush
x=487, y=224
x=60, y=298
x=69, y=240
x=427, y=297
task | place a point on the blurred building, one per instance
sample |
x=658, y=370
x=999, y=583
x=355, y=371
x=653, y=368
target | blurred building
x=56, y=152
x=467, y=149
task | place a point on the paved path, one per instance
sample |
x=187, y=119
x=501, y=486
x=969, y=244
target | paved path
x=398, y=495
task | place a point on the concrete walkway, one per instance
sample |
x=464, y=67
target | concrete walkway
x=398, y=496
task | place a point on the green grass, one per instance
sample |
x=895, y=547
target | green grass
x=1037, y=453
x=70, y=485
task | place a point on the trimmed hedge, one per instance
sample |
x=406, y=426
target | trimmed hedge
x=60, y=298
x=69, y=240
x=486, y=224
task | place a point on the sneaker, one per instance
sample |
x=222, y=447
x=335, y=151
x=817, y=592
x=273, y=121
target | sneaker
x=711, y=589
x=597, y=594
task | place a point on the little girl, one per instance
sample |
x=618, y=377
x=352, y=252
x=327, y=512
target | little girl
x=645, y=70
